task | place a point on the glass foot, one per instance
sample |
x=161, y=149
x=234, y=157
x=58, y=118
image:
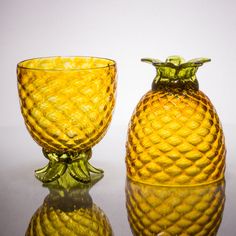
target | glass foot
x=75, y=163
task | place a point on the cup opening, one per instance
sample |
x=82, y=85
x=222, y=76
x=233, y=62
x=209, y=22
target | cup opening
x=70, y=63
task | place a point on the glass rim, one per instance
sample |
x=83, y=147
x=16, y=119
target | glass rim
x=20, y=66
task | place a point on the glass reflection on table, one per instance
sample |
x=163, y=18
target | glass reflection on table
x=68, y=209
x=174, y=211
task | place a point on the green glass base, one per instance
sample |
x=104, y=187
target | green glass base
x=75, y=163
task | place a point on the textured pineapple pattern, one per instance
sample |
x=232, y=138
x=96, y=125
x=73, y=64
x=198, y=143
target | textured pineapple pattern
x=67, y=107
x=175, y=211
x=175, y=138
x=48, y=221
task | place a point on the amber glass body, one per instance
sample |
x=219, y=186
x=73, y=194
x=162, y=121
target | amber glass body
x=67, y=105
x=175, y=136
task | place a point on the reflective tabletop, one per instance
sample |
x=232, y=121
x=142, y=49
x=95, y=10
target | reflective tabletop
x=113, y=204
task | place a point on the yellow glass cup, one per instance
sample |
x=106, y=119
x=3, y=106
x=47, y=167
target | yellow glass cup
x=67, y=105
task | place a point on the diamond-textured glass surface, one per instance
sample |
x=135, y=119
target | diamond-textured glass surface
x=67, y=105
x=175, y=136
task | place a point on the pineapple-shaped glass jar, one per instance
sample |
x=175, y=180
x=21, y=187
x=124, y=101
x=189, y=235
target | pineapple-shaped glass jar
x=175, y=136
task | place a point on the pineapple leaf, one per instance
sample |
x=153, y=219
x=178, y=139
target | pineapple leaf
x=94, y=170
x=42, y=170
x=77, y=173
x=51, y=173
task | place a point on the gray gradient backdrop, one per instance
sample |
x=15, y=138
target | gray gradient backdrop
x=124, y=30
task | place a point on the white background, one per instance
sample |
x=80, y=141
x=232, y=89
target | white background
x=126, y=31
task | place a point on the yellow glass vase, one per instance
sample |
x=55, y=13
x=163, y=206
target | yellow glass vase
x=175, y=135
x=175, y=211
x=67, y=105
